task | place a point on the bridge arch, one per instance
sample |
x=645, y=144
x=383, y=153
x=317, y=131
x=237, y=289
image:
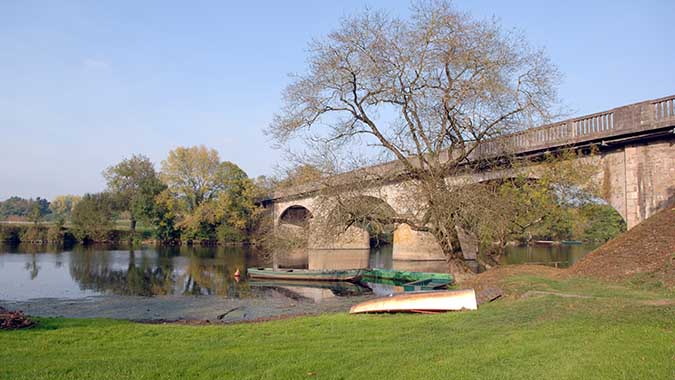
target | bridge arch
x=296, y=215
x=368, y=213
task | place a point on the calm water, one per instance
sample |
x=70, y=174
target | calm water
x=32, y=272
x=559, y=256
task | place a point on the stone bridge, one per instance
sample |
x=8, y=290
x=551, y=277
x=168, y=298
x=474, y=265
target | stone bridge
x=636, y=145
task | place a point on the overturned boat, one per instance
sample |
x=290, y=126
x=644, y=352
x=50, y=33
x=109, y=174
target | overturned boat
x=420, y=302
x=351, y=275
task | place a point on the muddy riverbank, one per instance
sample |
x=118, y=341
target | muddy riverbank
x=180, y=308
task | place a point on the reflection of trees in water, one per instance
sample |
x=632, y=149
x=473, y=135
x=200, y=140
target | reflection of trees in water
x=141, y=277
x=172, y=270
x=32, y=267
x=210, y=271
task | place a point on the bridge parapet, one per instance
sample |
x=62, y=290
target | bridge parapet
x=634, y=118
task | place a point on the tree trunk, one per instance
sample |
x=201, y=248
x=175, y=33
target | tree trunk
x=456, y=264
x=132, y=227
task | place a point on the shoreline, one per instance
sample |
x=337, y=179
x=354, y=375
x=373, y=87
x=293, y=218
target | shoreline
x=183, y=309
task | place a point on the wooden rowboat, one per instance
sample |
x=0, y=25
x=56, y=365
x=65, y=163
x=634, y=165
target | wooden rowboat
x=420, y=302
x=351, y=275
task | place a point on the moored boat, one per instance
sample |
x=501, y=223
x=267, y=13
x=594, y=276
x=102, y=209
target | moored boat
x=405, y=276
x=420, y=302
x=351, y=275
x=426, y=284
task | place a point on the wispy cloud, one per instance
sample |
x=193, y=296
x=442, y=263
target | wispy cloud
x=95, y=64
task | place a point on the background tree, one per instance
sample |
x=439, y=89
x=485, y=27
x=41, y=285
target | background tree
x=134, y=184
x=600, y=222
x=93, y=217
x=427, y=91
x=23, y=208
x=194, y=174
x=212, y=199
x=299, y=175
x=62, y=206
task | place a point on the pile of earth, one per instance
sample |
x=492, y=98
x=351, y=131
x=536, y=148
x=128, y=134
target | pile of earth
x=12, y=320
x=646, y=253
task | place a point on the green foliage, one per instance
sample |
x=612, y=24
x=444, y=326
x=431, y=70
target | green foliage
x=164, y=216
x=203, y=199
x=602, y=222
x=299, y=175
x=34, y=233
x=134, y=184
x=62, y=206
x=194, y=175
x=27, y=208
x=10, y=233
x=93, y=217
x=206, y=199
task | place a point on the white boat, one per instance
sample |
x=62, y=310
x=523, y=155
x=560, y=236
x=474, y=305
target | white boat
x=420, y=302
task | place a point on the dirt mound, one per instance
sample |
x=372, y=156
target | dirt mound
x=645, y=253
x=495, y=277
x=11, y=320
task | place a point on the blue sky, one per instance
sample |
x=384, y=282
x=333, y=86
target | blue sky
x=84, y=84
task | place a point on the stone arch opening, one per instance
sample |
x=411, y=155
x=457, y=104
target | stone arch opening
x=298, y=216
x=368, y=213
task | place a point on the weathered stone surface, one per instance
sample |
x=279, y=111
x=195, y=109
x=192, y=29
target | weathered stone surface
x=414, y=245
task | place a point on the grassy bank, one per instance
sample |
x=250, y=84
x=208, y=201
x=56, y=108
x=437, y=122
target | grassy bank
x=621, y=333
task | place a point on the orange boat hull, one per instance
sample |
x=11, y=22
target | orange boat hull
x=420, y=302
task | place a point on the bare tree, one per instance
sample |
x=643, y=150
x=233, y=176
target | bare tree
x=427, y=91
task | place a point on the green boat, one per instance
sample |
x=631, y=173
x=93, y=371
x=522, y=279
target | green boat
x=404, y=276
x=351, y=275
x=426, y=284
x=571, y=242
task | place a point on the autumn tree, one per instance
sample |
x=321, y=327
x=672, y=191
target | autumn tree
x=214, y=199
x=426, y=91
x=194, y=174
x=62, y=205
x=134, y=183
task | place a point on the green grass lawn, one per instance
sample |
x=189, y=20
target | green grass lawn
x=613, y=336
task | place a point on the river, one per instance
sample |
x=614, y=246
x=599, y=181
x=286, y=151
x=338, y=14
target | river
x=196, y=282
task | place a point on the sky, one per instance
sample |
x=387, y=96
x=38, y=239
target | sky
x=84, y=84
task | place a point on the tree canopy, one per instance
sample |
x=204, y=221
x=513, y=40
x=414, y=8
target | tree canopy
x=134, y=184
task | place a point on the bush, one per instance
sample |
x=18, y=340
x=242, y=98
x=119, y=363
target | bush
x=34, y=234
x=93, y=218
x=10, y=234
x=228, y=234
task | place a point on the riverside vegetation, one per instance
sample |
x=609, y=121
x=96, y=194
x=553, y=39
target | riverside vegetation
x=198, y=198
x=195, y=197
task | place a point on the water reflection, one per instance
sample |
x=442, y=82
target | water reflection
x=33, y=271
x=559, y=256
x=144, y=272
